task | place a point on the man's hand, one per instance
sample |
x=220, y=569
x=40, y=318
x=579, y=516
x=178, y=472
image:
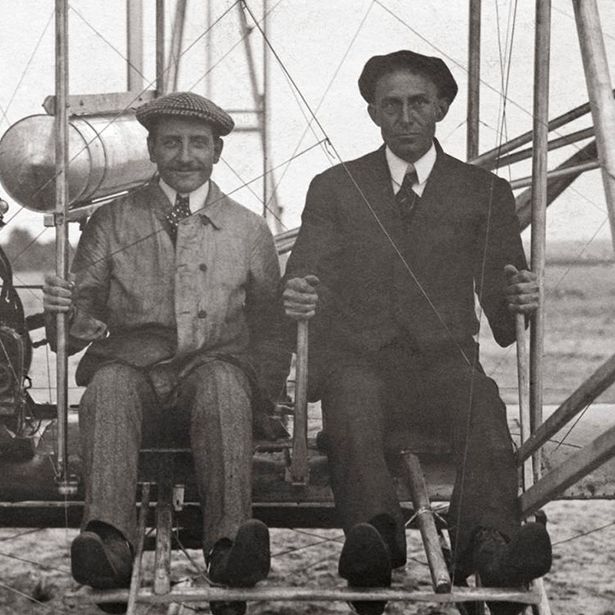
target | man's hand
x=522, y=293
x=58, y=293
x=301, y=297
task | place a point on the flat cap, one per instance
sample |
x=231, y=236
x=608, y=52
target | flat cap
x=187, y=105
x=431, y=67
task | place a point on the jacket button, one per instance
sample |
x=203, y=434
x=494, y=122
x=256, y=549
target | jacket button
x=203, y=267
x=202, y=314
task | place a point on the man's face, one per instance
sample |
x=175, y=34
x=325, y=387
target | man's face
x=407, y=107
x=185, y=151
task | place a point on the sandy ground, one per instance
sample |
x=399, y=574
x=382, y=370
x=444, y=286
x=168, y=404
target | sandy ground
x=35, y=566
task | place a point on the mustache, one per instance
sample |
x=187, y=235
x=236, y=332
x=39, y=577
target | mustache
x=186, y=167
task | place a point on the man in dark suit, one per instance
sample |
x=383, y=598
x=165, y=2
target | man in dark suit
x=393, y=248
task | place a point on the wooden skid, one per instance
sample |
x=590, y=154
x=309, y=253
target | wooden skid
x=576, y=466
x=302, y=594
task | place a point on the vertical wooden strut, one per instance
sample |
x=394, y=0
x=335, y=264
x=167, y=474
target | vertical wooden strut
x=473, y=117
x=61, y=226
x=164, y=525
x=523, y=386
x=601, y=100
x=299, y=470
x=539, y=206
x=134, y=44
x=135, y=579
x=539, y=219
x=171, y=77
x=160, y=67
x=440, y=577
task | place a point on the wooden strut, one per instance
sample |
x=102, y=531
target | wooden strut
x=539, y=209
x=302, y=594
x=164, y=526
x=589, y=390
x=135, y=580
x=299, y=470
x=598, y=80
x=440, y=577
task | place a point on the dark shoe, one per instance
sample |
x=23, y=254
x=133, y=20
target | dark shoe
x=102, y=560
x=239, y=563
x=102, y=563
x=366, y=562
x=242, y=562
x=501, y=563
x=227, y=608
x=394, y=536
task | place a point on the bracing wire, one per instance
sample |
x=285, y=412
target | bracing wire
x=462, y=67
x=252, y=191
x=106, y=41
x=230, y=192
x=14, y=590
x=136, y=97
x=233, y=47
x=25, y=70
x=324, y=94
x=364, y=198
x=475, y=359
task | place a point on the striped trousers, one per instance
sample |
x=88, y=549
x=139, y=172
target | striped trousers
x=120, y=412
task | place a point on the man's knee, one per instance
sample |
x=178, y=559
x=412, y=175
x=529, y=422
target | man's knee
x=115, y=390
x=215, y=380
x=353, y=405
x=117, y=378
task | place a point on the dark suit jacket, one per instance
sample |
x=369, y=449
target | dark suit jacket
x=463, y=233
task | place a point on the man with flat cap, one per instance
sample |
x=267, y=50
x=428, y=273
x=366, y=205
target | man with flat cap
x=393, y=249
x=175, y=290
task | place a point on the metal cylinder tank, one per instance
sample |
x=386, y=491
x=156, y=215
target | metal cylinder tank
x=107, y=154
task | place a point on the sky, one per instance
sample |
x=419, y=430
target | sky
x=321, y=46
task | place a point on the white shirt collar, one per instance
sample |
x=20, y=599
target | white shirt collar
x=423, y=167
x=197, y=197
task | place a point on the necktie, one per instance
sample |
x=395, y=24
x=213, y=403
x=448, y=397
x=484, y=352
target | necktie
x=406, y=198
x=179, y=211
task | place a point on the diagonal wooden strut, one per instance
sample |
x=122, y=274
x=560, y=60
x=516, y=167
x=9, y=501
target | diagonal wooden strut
x=440, y=577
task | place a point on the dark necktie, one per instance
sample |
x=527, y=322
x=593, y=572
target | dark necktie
x=406, y=198
x=178, y=212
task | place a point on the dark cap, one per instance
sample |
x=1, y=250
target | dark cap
x=186, y=105
x=431, y=67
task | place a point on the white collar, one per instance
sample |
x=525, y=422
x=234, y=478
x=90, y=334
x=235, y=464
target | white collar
x=197, y=197
x=423, y=167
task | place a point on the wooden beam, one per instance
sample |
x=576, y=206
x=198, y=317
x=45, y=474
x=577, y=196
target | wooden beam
x=440, y=578
x=164, y=525
x=560, y=172
x=160, y=65
x=61, y=252
x=570, y=471
x=134, y=44
x=489, y=160
x=599, y=87
x=299, y=470
x=524, y=154
x=135, y=579
x=177, y=38
x=556, y=185
x=473, y=115
x=298, y=594
x=594, y=386
x=539, y=207
x=95, y=104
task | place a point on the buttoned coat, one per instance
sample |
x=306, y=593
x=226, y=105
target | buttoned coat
x=378, y=281
x=143, y=300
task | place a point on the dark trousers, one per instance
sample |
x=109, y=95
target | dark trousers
x=120, y=412
x=368, y=399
